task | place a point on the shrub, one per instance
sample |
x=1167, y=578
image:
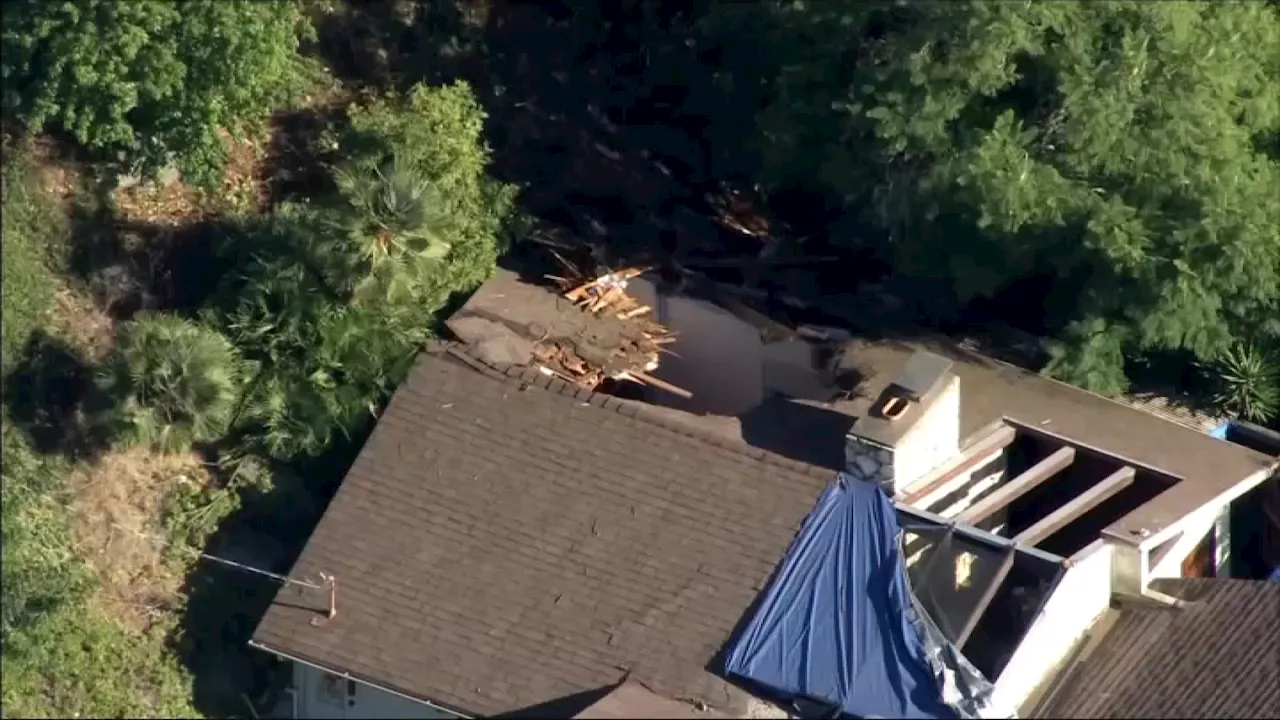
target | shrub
x=1248, y=383
x=170, y=383
x=152, y=79
x=61, y=657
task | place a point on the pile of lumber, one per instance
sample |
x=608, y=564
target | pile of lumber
x=639, y=340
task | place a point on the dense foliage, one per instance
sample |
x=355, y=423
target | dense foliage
x=340, y=294
x=153, y=79
x=61, y=658
x=1109, y=173
x=170, y=383
x=1124, y=154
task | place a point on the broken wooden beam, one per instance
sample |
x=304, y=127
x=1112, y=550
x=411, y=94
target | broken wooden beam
x=1005, y=494
x=633, y=312
x=1086, y=501
x=646, y=379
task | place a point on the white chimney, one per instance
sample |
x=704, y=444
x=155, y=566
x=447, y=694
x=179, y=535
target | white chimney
x=911, y=428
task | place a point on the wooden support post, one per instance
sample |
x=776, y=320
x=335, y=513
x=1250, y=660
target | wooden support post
x=1085, y=502
x=1019, y=486
x=1000, y=438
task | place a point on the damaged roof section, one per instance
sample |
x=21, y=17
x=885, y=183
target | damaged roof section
x=592, y=330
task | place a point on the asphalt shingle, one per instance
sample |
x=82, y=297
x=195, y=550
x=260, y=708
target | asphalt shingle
x=1217, y=657
x=505, y=539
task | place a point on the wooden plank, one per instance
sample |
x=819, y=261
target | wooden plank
x=999, y=439
x=1019, y=486
x=975, y=615
x=646, y=379
x=1086, y=501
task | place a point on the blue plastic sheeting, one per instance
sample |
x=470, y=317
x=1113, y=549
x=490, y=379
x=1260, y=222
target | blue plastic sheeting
x=838, y=622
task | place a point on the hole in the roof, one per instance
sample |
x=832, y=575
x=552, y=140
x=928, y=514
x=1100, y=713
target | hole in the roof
x=1051, y=510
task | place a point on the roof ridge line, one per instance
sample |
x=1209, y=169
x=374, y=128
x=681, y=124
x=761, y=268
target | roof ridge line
x=525, y=376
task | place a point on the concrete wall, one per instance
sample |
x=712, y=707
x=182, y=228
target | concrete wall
x=933, y=440
x=1080, y=598
x=1212, y=518
x=321, y=695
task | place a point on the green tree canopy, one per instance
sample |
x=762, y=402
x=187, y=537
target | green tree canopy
x=342, y=293
x=171, y=383
x=1130, y=149
x=154, y=79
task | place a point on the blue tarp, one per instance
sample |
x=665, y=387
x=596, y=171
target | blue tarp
x=839, y=623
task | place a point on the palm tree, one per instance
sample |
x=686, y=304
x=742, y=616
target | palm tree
x=390, y=213
x=1248, y=383
x=171, y=383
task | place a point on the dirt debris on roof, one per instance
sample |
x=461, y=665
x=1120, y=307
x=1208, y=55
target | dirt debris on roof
x=593, y=329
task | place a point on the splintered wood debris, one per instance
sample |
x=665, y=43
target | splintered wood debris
x=640, y=338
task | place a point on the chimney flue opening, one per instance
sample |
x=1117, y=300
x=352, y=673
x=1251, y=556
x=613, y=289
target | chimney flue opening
x=894, y=407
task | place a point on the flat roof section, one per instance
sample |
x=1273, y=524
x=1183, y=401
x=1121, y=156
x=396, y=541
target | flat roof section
x=991, y=390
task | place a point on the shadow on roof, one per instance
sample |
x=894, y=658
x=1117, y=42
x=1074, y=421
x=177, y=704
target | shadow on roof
x=807, y=433
x=563, y=707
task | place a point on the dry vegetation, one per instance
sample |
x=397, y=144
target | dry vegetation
x=117, y=529
x=170, y=202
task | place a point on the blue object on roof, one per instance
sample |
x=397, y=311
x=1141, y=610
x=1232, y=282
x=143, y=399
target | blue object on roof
x=839, y=623
x=1275, y=575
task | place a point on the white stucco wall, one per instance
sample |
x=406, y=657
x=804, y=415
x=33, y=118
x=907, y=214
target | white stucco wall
x=1212, y=517
x=1193, y=529
x=1080, y=598
x=324, y=696
x=933, y=440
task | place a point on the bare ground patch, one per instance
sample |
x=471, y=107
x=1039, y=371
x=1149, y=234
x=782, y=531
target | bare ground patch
x=60, y=172
x=117, y=506
x=170, y=202
x=84, y=323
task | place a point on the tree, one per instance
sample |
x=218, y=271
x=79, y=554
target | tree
x=170, y=383
x=1127, y=149
x=152, y=79
x=340, y=294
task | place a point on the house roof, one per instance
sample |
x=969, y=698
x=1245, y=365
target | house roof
x=504, y=540
x=1219, y=656
x=632, y=700
x=991, y=390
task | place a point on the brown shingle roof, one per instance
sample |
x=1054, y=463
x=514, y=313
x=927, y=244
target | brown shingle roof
x=502, y=543
x=633, y=700
x=1218, y=657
